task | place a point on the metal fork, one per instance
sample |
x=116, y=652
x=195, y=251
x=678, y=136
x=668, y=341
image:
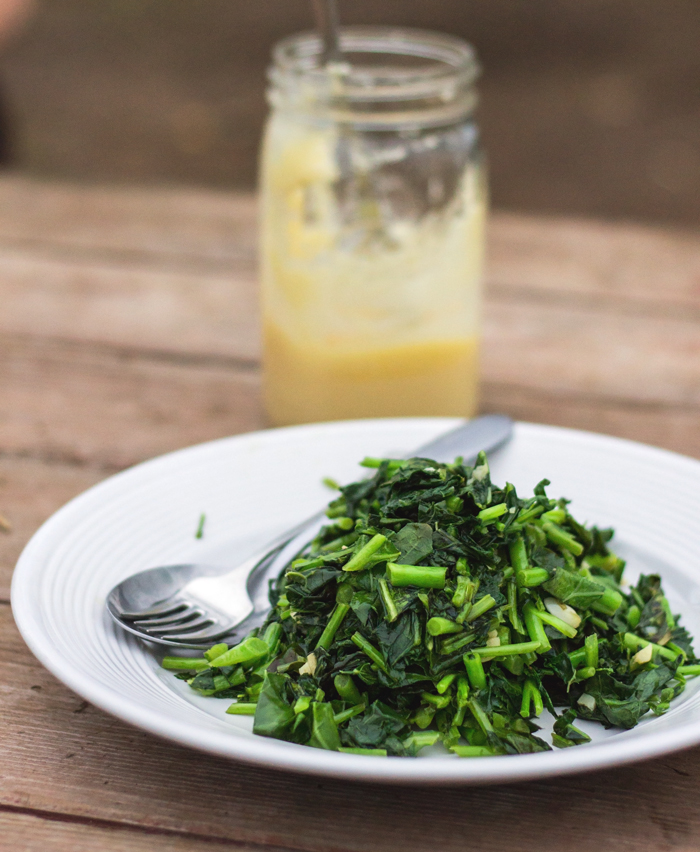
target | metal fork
x=193, y=605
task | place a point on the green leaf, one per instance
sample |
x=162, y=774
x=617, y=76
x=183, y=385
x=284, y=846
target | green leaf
x=574, y=589
x=414, y=542
x=545, y=558
x=375, y=726
x=566, y=733
x=324, y=733
x=274, y=715
x=363, y=604
x=396, y=640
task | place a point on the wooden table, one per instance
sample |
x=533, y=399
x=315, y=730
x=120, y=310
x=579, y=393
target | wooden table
x=128, y=328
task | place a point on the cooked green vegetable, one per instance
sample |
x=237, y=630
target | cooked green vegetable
x=437, y=607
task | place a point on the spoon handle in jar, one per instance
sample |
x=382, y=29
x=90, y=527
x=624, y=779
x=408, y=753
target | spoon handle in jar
x=328, y=26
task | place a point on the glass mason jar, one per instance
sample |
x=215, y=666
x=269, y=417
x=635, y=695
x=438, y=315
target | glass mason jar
x=373, y=213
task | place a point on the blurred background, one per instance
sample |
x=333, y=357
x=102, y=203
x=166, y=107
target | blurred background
x=588, y=106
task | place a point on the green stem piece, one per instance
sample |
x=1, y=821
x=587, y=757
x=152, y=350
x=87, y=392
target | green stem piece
x=437, y=626
x=364, y=554
x=462, y=691
x=460, y=595
x=577, y=657
x=518, y=557
x=507, y=650
x=493, y=512
x=535, y=628
x=239, y=709
x=424, y=577
x=216, y=651
x=584, y=673
x=473, y=751
x=634, y=643
x=369, y=752
x=480, y=607
x=390, y=610
x=452, y=645
x=272, y=637
x=302, y=704
x=557, y=516
x=334, y=622
x=445, y=683
x=479, y=714
x=513, y=613
x=591, y=650
x=634, y=613
x=249, y=650
x=438, y=701
x=346, y=689
x=531, y=695
x=526, y=515
x=532, y=577
x=420, y=739
x=184, y=664
x=557, y=623
x=346, y=715
x=369, y=649
x=608, y=603
x=562, y=538
x=475, y=671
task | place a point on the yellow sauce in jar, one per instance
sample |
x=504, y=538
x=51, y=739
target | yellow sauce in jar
x=374, y=319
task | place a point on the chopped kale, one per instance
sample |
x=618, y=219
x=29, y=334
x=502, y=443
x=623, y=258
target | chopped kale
x=437, y=607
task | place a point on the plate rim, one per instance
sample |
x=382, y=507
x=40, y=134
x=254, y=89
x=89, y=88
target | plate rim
x=277, y=754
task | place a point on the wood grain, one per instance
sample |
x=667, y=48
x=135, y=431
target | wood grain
x=669, y=426
x=616, y=265
x=30, y=491
x=132, y=222
x=128, y=329
x=111, y=408
x=115, y=773
x=130, y=325
x=43, y=832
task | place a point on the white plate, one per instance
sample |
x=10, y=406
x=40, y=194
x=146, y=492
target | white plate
x=254, y=485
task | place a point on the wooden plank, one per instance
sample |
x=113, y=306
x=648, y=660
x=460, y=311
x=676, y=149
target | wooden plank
x=609, y=263
x=215, y=312
x=111, y=408
x=127, y=222
x=662, y=425
x=170, y=306
x=109, y=771
x=588, y=350
x=573, y=306
x=529, y=254
x=41, y=832
x=128, y=331
x=30, y=491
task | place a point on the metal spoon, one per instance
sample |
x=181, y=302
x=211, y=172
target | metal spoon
x=328, y=26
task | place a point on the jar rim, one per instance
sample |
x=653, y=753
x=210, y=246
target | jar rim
x=439, y=65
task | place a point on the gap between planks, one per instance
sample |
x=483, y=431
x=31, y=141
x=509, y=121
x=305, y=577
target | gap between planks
x=38, y=831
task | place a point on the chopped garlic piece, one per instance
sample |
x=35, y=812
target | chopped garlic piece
x=664, y=639
x=643, y=656
x=587, y=701
x=309, y=666
x=563, y=611
x=493, y=640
